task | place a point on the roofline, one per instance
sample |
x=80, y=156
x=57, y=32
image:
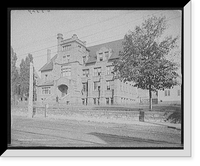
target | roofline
x=50, y=84
x=46, y=70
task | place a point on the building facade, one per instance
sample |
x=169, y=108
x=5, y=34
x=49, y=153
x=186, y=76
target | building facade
x=83, y=75
x=170, y=95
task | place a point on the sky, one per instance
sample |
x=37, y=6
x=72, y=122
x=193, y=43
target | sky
x=36, y=31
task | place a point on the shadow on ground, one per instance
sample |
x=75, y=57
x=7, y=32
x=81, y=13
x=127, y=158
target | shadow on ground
x=117, y=140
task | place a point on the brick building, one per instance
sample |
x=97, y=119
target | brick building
x=83, y=75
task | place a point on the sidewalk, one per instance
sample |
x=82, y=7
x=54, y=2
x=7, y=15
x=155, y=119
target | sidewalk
x=102, y=120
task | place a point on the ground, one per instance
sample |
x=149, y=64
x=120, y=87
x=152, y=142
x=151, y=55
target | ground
x=53, y=132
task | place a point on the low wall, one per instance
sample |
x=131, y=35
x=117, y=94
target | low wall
x=118, y=113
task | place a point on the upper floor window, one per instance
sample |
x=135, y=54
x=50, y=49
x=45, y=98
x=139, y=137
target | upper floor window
x=64, y=58
x=84, y=59
x=109, y=69
x=108, y=85
x=85, y=72
x=66, y=47
x=84, y=86
x=46, y=90
x=66, y=72
x=97, y=71
x=96, y=85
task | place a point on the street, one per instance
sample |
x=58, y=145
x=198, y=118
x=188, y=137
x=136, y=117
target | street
x=47, y=132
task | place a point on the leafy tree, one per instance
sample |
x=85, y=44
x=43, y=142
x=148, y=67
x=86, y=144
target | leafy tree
x=14, y=75
x=24, y=75
x=143, y=59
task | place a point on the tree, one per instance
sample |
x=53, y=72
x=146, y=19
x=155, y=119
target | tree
x=24, y=75
x=14, y=75
x=143, y=59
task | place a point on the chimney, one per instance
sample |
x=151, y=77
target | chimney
x=74, y=36
x=60, y=39
x=48, y=55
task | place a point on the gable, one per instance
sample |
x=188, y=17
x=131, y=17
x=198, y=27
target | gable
x=48, y=66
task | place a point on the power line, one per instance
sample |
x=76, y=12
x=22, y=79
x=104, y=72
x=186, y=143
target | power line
x=99, y=40
x=77, y=46
x=80, y=28
x=89, y=35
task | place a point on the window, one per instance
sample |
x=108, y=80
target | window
x=86, y=72
x=108, y=85
x=94, y=100
x=45, y=78
x=111, y=100
x=109, y=69
x=106, y=54
x=84, y=87
x=96, y=85
x=66, y=72
x=179, y=92
x=84, y=59
x=167, y=92
x=97, y=71
x=83, y=101
x=101, y=56
x=66, y=47
x=68, y=56
x=46, y=90
x=107, y=100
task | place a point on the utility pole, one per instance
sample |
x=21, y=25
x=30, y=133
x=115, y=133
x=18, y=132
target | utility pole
x=30, y=100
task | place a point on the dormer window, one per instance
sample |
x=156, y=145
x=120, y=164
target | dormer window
x=45, y=78
x=101, y=56
x=106, y=54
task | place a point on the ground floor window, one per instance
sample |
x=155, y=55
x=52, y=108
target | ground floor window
x=111, y=100
x=107, y=100
x=84, y=101
x=179, y=92
x=94, y=100
x=167, y=92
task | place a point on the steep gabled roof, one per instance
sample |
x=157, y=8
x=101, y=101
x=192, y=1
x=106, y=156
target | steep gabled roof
x=116, y=46
x=48, y=66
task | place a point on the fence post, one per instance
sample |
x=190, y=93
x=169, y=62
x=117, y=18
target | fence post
x=34, y=111
x=141, y=115
x=45, y=110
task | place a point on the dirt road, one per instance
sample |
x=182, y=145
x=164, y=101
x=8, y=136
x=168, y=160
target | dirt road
x=46, y=132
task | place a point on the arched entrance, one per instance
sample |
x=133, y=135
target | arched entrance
x=64, y=89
